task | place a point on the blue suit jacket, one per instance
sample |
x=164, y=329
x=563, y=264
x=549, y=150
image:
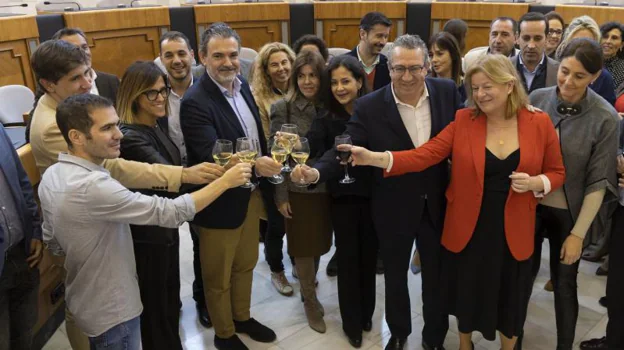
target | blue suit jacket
x=22, y=194
x=398, y=202
x=205, y=116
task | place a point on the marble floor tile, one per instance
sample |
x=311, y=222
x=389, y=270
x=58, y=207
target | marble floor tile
x=285, y=315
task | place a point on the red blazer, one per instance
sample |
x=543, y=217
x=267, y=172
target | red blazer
x=464, y=141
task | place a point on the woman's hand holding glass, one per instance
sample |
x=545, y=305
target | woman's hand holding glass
x=304, y=174
x=237, y=175
x=361, y=156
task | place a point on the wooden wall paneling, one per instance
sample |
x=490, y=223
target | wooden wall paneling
x=601, y=14
x=113, y=51
x=18, y=38
x=119, y=37
x=477, y=15
x=338, y=22
x=256, y=23
x=104, y=20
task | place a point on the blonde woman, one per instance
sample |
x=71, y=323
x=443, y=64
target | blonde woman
x=586, y=27
x=271, y=78
x=271, y=83
x=142, y=105
x=503, y=156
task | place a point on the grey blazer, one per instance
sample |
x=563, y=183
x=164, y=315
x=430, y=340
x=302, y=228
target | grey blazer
x=302, y=113
x=551, y=69
x=199, y=69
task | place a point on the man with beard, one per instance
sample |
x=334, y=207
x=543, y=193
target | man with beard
x=220, y=106
x=534, y=68
x=374, y=33
x=177, y=56
x=502, y=40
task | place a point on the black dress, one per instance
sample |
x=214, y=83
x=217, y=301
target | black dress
x=485, y=285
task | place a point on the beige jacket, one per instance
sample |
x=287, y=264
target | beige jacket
x=47, y=142
x=264, y=107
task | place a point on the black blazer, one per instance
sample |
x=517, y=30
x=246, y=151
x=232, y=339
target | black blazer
x=321, y=137
x=107, y=85
x=205, y=116
x=398, y=202
x=382, y=73
x=151, y=145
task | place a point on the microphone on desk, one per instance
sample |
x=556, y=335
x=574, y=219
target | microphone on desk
x=64, y=2
x=123, y=6
x=20, y=5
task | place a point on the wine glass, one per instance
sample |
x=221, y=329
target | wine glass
x=247, y=152
x=300, y=153
x=344, y=153
x=279, y=152
x=222, y=152
x=289, y=132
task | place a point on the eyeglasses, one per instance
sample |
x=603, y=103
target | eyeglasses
x=555, y=31
x=152, y=95
x=400, y=70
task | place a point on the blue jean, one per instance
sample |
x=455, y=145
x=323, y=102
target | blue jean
x=124, y=336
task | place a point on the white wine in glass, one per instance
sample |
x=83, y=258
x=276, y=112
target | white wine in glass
x=222, y=152
x=279, y=152
x=247, y=152
x=300, y=153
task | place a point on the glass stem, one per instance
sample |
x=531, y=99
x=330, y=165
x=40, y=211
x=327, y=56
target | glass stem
x=347, y=171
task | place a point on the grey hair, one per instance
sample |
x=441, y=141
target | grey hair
x=577, y=24
x=218, y=30
x=411, y=42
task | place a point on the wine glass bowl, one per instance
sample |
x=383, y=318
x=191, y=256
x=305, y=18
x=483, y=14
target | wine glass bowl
x=222, y=152
x=246, y=150
x=300, y=153
x=279, y=153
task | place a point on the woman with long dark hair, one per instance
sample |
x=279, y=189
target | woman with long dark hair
x=356, y=241
x=308, y=222
x=446, y=60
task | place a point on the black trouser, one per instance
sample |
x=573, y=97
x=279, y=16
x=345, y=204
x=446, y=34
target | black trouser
x=274, y=236
x=158, y=270
x=556, y=225
x=615, y=283
x=396, y=252
x=198, y=282
x=19, y=285
x=357, y=245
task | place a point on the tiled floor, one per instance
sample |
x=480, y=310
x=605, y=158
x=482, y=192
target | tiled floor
x=285, y=314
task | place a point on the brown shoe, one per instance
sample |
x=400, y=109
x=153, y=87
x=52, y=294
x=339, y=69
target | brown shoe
x=549, y=286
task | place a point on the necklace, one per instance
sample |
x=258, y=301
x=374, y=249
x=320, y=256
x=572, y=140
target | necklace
x=501, y=142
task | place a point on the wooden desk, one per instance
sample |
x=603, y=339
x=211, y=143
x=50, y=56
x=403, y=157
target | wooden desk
x=119, y=37
x=256, y=23
x=339, y=22
x=477, y=15
x=600, y=14
x=19, y=37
